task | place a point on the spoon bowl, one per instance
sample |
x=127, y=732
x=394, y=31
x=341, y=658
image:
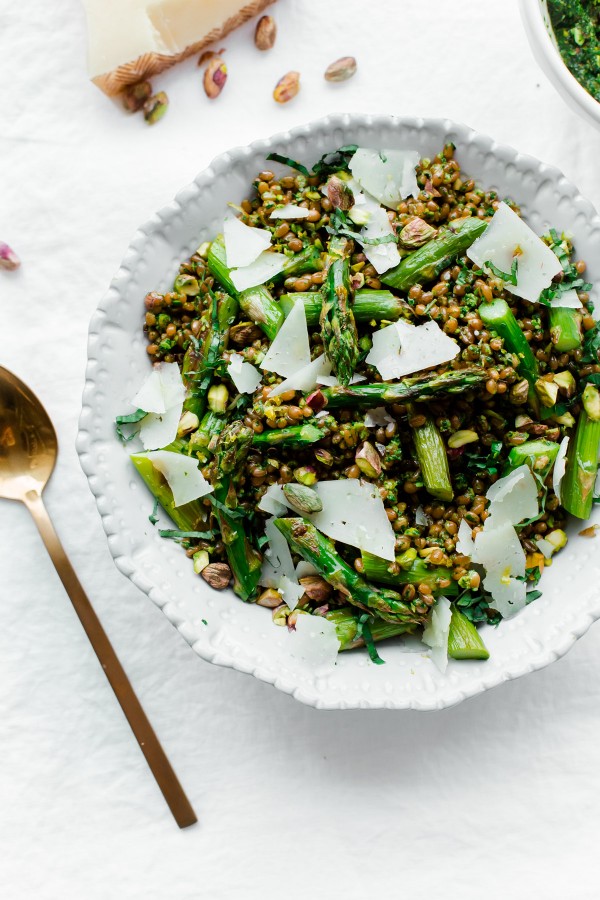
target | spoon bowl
x=28, y=442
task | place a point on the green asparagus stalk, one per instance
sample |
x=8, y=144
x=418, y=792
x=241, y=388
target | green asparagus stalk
x=293, y=436
x=464, y=641
x=199, y=363
x=190, y=516
x=232, y=449
x=425, y=264
x=538, y=455
x=311, y=545
x=368, y=306
x=377, y=569
x=565, y=328
x=203, y=442
x=338, y=328
x=577, y=487
x=346, y=627
x=419, y=388
x=257, y=302
x=433, y=460
x=498, y=317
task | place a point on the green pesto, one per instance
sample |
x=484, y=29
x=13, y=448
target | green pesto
x=576, y=25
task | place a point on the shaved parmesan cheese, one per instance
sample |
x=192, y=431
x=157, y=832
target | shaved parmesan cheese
x=290, y=350
x=277, y=562
x=289, y=211
x=402, y=349
x=183, y=476
x=509, y=595
x=291, y=591
x=150, y=396
x=243, y=374
x=332, y=381
x=368, y=213
x=158, y=430
x=273, y=501
x=508, y=236
x=378, y=417
x=421, y=517
x=597, y=486
x=162, y=389
x=465, y=543
x=382, y=256
x=315, y=642
x=304, y=568
x=364, y=205
x=560, y=466
x=263, y=269
x=435, y=633
x=513, y=498
x=389, y=175
x=567, y=300
x=500, y=553
x=353, y=513
x=304, y=379
x=243, y=244
x=545, y=547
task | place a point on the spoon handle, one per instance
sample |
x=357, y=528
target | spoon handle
x=149, y=744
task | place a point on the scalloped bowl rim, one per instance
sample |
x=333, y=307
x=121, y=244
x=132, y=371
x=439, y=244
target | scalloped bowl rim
x=430, y=690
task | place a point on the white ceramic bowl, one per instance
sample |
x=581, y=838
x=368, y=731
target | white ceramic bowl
x=538, y=28
x=219, y=627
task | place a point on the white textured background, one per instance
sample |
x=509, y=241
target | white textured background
x=496, y=798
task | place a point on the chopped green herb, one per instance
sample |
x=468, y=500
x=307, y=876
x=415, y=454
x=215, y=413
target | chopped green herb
x=232, y=513
x=509, y=278
x=591, y=344
x=286, y=161
x=129, y=419
x=153, y=518
x=334, y=162
x=475, y=606
x=364, y=630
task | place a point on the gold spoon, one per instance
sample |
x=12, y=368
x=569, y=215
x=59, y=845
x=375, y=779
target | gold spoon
x=28, y=449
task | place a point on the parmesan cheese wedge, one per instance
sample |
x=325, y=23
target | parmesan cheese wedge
x=130, y=40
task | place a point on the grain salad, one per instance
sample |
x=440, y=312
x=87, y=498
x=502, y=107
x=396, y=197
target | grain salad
x=373, y=402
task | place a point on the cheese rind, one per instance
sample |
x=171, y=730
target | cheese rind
x=130, y=40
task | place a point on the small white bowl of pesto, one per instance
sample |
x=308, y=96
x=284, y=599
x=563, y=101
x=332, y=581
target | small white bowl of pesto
x=565, y=39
